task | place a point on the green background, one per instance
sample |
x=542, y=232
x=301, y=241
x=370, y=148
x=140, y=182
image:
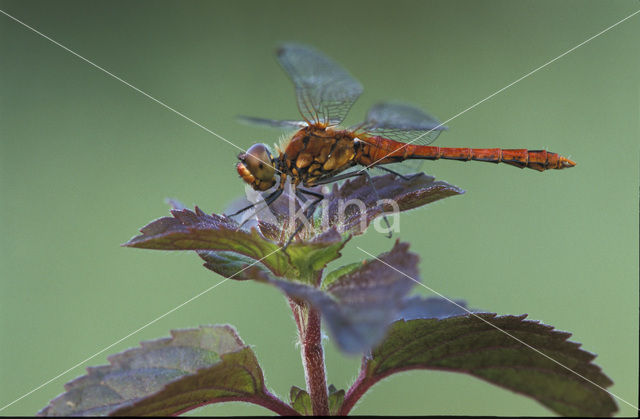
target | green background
x=86, y=161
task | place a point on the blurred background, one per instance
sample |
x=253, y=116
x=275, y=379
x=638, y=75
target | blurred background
x=86, y=161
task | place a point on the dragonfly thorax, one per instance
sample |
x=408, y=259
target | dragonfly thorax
x=257, y=167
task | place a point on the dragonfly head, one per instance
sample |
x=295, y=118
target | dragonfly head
x=257, y=167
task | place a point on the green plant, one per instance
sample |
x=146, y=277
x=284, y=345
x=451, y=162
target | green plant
x=365, y=307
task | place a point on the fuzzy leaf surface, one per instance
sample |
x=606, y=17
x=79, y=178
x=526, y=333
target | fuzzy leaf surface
x=469, y=345
x=419, y=190
x=167, y=376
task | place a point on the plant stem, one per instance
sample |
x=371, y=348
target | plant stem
x=357, y=390
x=267, y=400
x=309, y=331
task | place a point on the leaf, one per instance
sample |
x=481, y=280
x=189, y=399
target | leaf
x=174, y=203
x=233, y=265
x=343, y=270
x=419, y=190
x=432, y=308
x=304, y=259
x=167, y=376
x=311, y=257
x=189, y=230
x=341, y=206
x=300, y=401
x=271, y=221
x=336, y=397
x=359, y=306
x=471, y=345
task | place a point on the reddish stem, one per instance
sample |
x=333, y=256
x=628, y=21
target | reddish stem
x=267, y=400
x=356, y=391
x=273, y=403
x=309, y=330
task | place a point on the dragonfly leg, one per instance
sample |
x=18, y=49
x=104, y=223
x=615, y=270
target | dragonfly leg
x=314, y=194
x=268, y=201
x=335, y=179
x=400, y=175
x=308, y=212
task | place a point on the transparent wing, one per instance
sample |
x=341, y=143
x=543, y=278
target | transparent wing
x=402, y=122
x=325, y=91
x=274, y=123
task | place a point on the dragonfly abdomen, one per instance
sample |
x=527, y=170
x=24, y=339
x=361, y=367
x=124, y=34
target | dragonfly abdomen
x=385, y=151
x=540, y=160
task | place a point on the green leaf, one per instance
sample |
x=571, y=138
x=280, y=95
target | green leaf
x=310, y=258
x=343, y=270
x=300, y=401
x=480, y=347
x=189, y=230
x=167, y=376
x=336, y=397
x=233, y=265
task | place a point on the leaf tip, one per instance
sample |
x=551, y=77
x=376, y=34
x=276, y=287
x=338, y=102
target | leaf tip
x=174, y=203
x=130, y=243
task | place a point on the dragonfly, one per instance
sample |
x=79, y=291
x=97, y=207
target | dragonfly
x=321, y=152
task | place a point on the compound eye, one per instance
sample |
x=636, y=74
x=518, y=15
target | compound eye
x=259, y=162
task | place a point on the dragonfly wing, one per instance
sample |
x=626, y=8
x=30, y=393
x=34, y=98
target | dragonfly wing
x=325, y=91
x=402, y=122
x=274, y=123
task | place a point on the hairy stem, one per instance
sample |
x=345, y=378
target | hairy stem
x=357, y=390
x=309, y=331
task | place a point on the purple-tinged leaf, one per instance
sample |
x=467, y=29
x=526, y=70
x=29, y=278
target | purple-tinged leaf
x=483, y=346
x=352, y=205
x=189, y=230
x=419, y=190
x=359, y=306
x=175, y=204
x=169, y=376
x=432, y=308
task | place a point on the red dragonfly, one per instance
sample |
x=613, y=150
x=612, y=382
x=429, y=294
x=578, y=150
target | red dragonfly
x=320, y=152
